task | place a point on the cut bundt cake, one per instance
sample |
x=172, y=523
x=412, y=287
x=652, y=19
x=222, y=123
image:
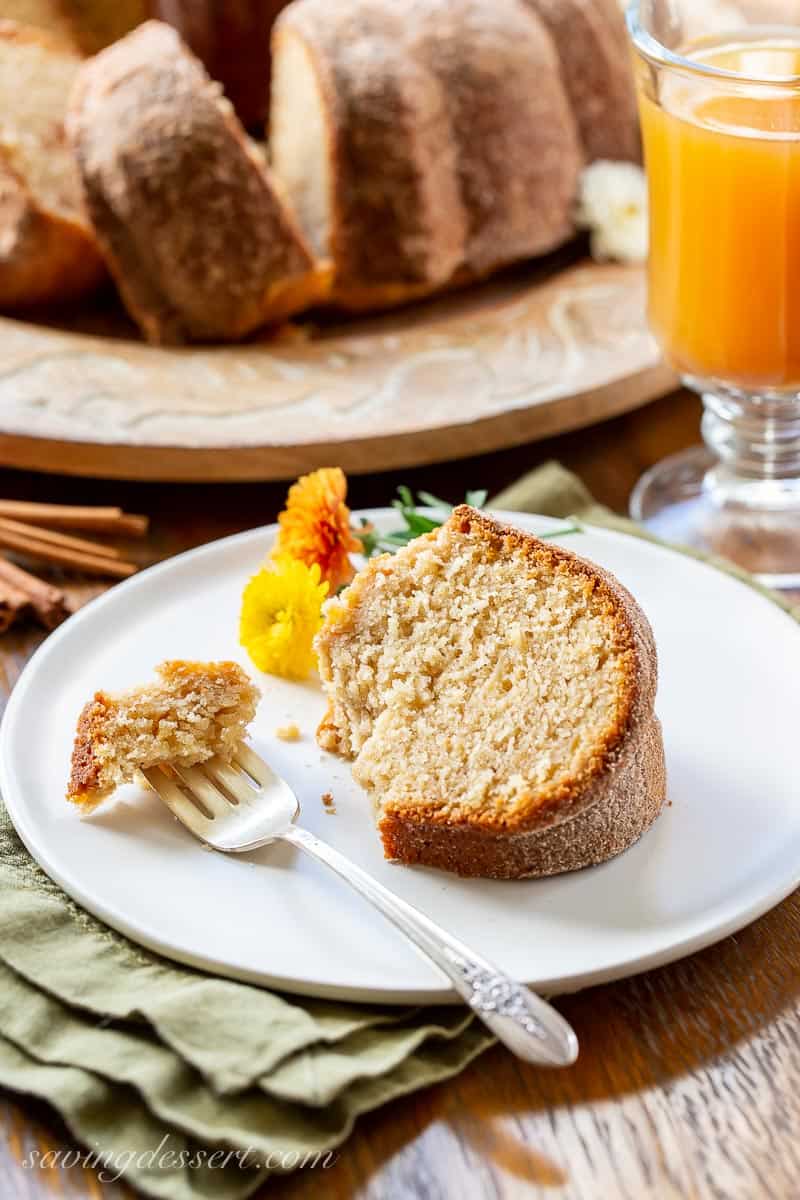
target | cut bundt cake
x=48, y=252
x=414, y=148
x=192, y=712
x=421, y=144
x=361, y=141
x=198, y=239
x=495, y=693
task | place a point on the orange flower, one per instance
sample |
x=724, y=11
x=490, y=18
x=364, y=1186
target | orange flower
x=315, y=525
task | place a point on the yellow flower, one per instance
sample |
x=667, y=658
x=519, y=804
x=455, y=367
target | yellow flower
x=315, y=525
x=281, y=612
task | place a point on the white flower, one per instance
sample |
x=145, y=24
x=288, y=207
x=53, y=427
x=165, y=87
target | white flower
x=612, y=204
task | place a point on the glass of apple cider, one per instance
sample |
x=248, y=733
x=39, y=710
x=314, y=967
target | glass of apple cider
x=719, y=96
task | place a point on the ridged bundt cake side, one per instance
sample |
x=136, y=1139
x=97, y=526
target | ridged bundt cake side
x=517, y=151
x=592, y=46
x=436, y=142
x=425, y=145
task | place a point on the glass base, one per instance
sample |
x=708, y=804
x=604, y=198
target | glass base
x=691, y=499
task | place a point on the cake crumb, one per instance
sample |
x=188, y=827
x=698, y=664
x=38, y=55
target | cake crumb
x=328, y=802
x=288, y=733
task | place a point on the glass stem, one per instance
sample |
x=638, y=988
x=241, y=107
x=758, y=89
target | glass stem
x=754, y=438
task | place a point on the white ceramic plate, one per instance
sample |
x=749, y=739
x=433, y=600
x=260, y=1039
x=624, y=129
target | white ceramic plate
x=725, y=850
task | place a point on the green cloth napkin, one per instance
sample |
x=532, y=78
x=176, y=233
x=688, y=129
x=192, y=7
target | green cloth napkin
x=155, y=1067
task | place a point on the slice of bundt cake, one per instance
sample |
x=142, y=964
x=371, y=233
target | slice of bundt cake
x=496, y=695
x=194, y=710
x=48, y=251
x=195, y=233
x=361, y=142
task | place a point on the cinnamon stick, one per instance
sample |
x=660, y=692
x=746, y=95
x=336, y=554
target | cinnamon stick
x=48, y=602
x=79, y=560
x=110, y=519
x=13, y=605
x=58, y=539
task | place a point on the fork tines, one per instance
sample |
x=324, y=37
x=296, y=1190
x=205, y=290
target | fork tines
x=201, y=794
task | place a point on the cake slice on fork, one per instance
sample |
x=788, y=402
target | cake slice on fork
x=194, y=710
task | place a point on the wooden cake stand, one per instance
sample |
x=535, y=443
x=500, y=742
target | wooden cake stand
x=542, y=350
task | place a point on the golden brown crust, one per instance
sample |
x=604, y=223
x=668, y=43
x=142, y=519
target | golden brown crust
x=186, y=670
x=84, y=768
x=624, y=805
x=199, y=242
x=46, y=257
x=601, y=810
x=375, y=297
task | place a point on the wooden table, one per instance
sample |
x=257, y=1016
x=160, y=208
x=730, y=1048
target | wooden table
x=688, y=1084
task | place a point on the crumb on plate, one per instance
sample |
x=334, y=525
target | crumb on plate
x=288, y=733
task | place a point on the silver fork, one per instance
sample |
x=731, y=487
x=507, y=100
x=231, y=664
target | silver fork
x=241, y=805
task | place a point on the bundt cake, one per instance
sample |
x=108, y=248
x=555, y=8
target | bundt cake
x=48, y=252
x=495, y=694
x=413, y=148
x=436, y=140
x=592, y=46
x=199, y=241
x=194, y=711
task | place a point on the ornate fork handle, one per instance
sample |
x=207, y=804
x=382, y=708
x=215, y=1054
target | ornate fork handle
x=528, y=1025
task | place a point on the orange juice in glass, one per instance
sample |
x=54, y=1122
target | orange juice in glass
x=719, y=91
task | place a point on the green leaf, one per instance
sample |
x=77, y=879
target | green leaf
x=368, y=537
x=415, y=523
x=574, y=527
x=477, y=499
x=399, y=537
x=420, y=524
x=432, y=501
